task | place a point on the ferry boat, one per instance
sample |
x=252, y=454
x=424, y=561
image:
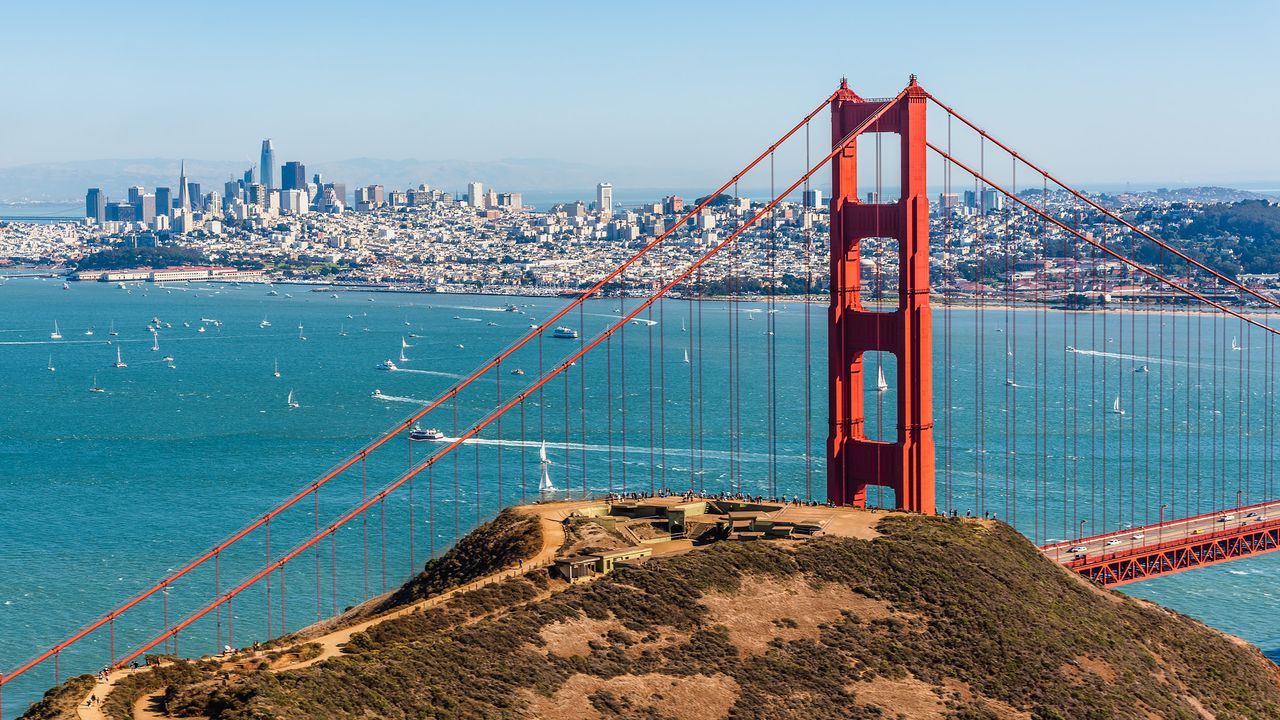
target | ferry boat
x=566, y=333
x=417, y=432
x=388, y=365
x=55, y=335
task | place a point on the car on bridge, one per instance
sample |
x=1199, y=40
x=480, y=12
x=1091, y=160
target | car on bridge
x=1076, y=549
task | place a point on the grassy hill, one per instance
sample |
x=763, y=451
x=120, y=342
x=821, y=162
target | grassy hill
x=936, y=618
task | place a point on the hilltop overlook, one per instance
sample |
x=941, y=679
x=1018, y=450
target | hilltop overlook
x=919, y=618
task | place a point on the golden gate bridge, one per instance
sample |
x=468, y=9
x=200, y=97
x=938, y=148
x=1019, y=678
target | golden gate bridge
x=1161, y=453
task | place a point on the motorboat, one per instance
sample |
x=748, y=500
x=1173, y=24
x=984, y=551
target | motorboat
x=417, y=432
x=566, y=333
x=388, y=365
x=377, y=393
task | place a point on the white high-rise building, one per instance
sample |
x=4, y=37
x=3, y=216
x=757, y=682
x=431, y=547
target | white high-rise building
x=604, y=198
x=475, y=194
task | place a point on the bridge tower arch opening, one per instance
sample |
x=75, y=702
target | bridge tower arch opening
x=855, y=461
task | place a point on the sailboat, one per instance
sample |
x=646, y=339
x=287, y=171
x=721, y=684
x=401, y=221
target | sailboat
x=1235, y=344
x=404, y=344
x=113, y=332
x=1115, y=407
x=686, y=356
x=276, y=368
x=155, y=342
x=265, y=323
x=402, y=357
x=342, y=330
x=89, y=331
x=881, y=385
x=682, y=326
x=544, y=483
x=94, y=387
x=51, y=367
x=120, y=363
x=300, y=335
x=291, y=402
x=55, y=335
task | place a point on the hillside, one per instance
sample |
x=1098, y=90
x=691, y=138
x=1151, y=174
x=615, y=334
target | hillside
x=934, y=618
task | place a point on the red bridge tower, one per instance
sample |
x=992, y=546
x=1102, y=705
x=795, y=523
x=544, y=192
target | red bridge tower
x=853, y=460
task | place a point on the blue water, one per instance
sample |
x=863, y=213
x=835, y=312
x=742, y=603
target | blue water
x=103, y=493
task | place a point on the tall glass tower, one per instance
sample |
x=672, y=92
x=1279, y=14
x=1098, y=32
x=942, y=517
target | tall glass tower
x=267, y=165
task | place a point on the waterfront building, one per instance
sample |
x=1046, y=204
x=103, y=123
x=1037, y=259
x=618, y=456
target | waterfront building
x=267, y=165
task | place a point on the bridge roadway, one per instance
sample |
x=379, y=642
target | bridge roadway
x=1138, y=553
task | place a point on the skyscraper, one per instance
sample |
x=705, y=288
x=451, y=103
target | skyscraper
x=95, y=205
x=294, y=176
x=475, y=194
x=267, y=165
x=604, y=198
x=164, y=201
x=184, y=196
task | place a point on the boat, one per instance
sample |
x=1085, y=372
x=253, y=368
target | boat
x=51, y=367
x=66, y=286
x=566, y=333
x=1071, y=348
x=94, y=387
x=682, y=327
x=402, y=357
x=511, y=308
x=376, y=393
x=544, y=481
x=288, y=295
x=342, y=331
x=265, y=322
x=155, y=342
x=460, y=346
x=272, y=293
x=1010, y=382
x=55, y=335
x=686, y=356
x=1235, y=344
x=112, y=331
x=492, y=324
x=120, y=363
x=881, y=385
x=517, y=371
x=186, y=324
x=200, y=329
x=275, y=368
x=1115, y=407
x=291, y=402
x=1141, y=369
x=388, y=365
x=403, y=344
x=171, y=366
x=300, y=335
x=417, y=432
x=167, y=358
x=89, y=331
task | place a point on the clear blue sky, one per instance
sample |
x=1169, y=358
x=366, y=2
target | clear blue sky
x=1105, y=92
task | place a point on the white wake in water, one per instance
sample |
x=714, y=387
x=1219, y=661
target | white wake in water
x=436, y=373
x=632, y=451
x=400, y=398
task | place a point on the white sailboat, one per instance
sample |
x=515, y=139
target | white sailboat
x=55, y=335
x=686, y=356
x=89, y=331
x=402, y=357
x=155, y=342
x=682, y=326
x=276, y=367
x=120, y=363
x=290, y=401
x=342, y=331
x=544, y=483
x=51, y=367
x=94, y=387
x=403, y=344
x=300, y=335
x=1235, y=344
x=881, y=385
x=1115, y=407
x=113, y=332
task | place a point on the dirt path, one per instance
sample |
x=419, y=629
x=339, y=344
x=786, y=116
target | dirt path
x=331, y=643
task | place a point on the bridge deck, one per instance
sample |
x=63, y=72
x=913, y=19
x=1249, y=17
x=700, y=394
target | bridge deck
x=1140, y=553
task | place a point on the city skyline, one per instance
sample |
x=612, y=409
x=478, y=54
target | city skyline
x=1138, y=66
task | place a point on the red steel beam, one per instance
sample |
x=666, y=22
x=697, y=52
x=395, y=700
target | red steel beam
x=515, y=400
x=1101, y=246
x=493, y=362
x=1186, y=553
x=951, y=111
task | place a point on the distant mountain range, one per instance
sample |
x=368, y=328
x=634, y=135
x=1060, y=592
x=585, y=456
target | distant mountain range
x=67, y=181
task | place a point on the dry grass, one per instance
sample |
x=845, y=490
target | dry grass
x=690, y=697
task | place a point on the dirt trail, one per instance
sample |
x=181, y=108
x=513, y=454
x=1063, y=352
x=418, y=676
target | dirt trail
x=331, y=643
